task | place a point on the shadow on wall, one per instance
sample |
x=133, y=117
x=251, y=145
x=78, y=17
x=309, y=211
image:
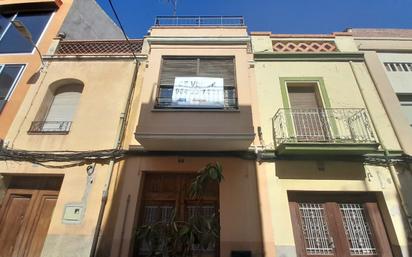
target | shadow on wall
x=320, y=170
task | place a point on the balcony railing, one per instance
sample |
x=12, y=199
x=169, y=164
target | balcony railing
x=167, y=103
x=334, y=125
x=50, y=127
x=200, y=21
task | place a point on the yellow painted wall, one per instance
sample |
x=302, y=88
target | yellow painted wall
x=95, y=126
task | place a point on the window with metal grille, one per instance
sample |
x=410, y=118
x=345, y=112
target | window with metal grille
x=357, y=229
x=206, y=69
x=315, y=229
x=9, y=74
x=11, y=41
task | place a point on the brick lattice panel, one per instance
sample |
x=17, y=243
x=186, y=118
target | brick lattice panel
x=109, y=47
x=304, y=46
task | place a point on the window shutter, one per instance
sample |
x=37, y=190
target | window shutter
x=302, y=98
x=64, y=104
x=172, y=68
x=218, y=68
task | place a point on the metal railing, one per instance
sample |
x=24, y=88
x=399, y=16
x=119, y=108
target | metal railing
x=167, y=103
x=331, y=125
x=50, y=126
x=200, y=21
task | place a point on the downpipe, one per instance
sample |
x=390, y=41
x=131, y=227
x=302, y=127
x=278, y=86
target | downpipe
x=118, y=145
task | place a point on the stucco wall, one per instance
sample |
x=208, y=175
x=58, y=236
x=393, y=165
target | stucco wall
x=340, y=85
x=239, y=208
x=95, y=125
x=96, y=118
x=280, y=178
x=401, y=81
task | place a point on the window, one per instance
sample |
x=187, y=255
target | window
x=197, y=83
x=406, y=105
x=333, y=225
x=9, y=74
x=60, y=113
x=398, y=66
x=10, y=39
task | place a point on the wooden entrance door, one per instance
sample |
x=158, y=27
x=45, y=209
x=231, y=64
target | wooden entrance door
x=308, y=114
x=167, y=193
x=25, y=216
x=339, y=229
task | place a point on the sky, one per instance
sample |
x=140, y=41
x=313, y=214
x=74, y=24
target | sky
x=277, y=16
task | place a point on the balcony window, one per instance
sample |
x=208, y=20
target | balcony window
x=197, y=83
x=60, y=113
x=9, y=74
x=10, y=39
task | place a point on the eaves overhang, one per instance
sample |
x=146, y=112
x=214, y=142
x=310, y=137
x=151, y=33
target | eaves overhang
x=327, y=56
x=29, y=5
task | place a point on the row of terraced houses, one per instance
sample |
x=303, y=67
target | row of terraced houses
x=100, y=134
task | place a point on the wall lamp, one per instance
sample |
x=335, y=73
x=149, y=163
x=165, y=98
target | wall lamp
x=24, y=32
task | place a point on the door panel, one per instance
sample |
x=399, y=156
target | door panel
x=25, y=217
x=46, y=203
x=339, y=229
x=13, y=219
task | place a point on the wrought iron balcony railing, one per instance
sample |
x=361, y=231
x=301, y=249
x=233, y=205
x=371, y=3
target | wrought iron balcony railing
x=167, y=103
x=200, y=21
x=50, y=127
x=332, y=125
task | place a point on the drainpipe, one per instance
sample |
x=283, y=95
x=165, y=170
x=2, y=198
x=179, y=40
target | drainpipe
x=389, y=163
x=117, y=145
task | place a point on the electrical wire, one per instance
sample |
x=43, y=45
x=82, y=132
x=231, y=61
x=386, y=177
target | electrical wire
x=122, y=29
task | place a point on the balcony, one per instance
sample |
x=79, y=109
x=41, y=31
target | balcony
x=323, y=131
x=50, y=127
x=200, y=21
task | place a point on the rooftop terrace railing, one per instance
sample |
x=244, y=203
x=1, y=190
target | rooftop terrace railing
x=221, y=21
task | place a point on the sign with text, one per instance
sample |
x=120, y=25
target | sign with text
x=198, y=92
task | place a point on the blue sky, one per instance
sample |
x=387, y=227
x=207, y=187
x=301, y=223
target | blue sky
x=277, y=16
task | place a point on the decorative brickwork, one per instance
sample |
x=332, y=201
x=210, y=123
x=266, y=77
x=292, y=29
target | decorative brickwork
x=304, y=46
x=107, y=47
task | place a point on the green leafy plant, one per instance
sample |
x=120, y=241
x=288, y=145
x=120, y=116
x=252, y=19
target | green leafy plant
x=178, y=238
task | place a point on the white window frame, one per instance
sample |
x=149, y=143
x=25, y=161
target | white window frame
x=16, y=79
x=35, y=43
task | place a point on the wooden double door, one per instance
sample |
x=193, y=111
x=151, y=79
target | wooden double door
x=338, y=228
x=168, y=193
x=25, y=215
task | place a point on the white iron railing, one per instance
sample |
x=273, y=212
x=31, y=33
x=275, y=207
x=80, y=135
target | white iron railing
x=331, y=125
x=199, y=21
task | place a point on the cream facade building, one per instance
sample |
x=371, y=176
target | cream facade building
x=321, y=117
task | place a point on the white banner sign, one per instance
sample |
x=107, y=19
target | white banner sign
x=198, y=91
